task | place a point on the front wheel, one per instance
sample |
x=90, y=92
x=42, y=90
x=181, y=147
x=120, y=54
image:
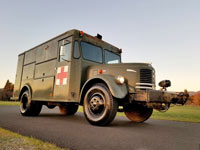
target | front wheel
x=137, y=113
x=99, y=106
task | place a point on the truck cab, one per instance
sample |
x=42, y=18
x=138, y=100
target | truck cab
x=76, y=68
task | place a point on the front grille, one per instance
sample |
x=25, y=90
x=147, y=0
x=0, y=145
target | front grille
x=145, y=76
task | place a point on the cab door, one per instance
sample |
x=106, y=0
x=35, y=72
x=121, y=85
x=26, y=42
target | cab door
x=63, y=67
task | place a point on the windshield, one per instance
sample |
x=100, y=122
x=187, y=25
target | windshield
x=111, y=58
x=94, y=53
x=91, y=52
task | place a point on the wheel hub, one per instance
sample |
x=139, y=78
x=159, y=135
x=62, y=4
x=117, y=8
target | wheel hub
x=96, y=104
x=25, y=102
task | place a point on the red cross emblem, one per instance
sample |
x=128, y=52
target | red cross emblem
x=61, y=78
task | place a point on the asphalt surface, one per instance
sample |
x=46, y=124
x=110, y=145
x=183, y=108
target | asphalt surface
x=76, y=133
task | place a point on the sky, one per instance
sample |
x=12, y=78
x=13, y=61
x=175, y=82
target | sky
x=165, y=33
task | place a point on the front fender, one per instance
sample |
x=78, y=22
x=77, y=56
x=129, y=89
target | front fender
x=118, y=91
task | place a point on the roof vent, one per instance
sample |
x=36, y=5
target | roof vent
x=99, y=36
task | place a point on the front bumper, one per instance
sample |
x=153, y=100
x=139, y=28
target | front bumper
x=159, y=96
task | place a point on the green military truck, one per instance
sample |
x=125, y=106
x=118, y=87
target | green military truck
x=76, y=68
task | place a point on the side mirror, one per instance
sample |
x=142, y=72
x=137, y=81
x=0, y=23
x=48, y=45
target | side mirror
x=164, y=84
x=62, y=51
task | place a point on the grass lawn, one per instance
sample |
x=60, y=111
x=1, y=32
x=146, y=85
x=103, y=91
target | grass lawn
x=178, y=113
x=9, y=103
x=13, y=141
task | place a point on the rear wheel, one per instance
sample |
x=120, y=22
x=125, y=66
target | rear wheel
x=99, y=106
x=137, y=113
x=69, y=109
x=51, y=105
x=28, y=107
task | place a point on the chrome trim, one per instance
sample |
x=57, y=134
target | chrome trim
x=144, y=84
x=144, y=87
x=130, y=70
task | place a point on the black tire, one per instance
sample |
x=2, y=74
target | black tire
x=99, y=106
x=51, y=106
x=69, y=109
x=28, y=107
x=137, y=112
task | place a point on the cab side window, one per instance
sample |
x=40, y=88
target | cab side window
x=76, y=50
x=65, y=52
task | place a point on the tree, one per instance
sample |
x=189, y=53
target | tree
x=194, y=99
x=7, y=90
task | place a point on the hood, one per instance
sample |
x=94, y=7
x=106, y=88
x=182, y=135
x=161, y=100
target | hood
x=133, y=72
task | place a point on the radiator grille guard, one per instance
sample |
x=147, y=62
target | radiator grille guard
x=145, y=76
x=146, y=80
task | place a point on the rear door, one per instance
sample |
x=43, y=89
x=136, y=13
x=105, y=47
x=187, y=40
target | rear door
x=18, y=76
x=62, y=76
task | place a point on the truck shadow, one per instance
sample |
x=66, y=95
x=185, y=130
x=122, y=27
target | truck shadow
x=80, y=119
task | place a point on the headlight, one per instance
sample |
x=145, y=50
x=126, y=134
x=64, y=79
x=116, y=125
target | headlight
x=120, y=79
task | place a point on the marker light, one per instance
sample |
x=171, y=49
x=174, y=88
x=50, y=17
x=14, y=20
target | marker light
x=120, y=79
x=81, y=33
x=100, y=71
x=120, y=50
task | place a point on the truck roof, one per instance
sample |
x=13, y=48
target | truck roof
x=75, y=31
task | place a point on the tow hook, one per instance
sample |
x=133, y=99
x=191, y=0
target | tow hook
x=182, y=98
